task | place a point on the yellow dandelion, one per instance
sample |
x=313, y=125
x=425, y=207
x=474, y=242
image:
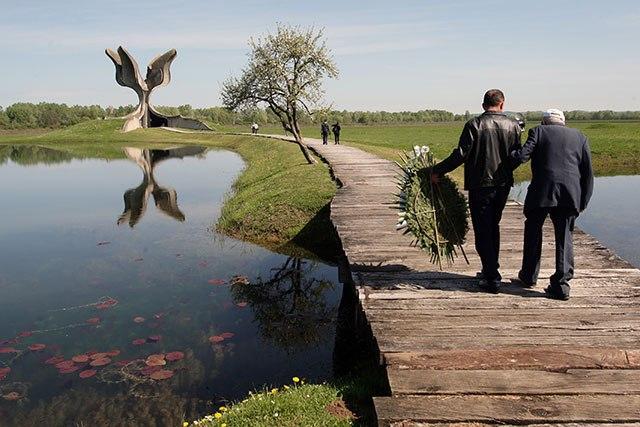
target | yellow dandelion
x=286, y=387
x=274, y=390
x=218, y=415
x=223, y=408
x=185, y=424
x=296, y=379
x=223, y=425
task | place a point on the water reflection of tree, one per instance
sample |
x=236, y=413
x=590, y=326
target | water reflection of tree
x=291, y=307
x=26, y=155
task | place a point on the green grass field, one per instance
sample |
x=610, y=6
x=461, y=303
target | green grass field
x=615, y=145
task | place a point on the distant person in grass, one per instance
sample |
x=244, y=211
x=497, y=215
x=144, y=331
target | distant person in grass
x=336, y=132
x=254, y=128
x=324, y=131
x=484, y=148
x=561, y=186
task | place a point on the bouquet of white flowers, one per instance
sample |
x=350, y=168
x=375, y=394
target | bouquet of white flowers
x=434, y=213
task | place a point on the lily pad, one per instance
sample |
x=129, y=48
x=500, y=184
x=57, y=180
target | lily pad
x=54, y=360
x=69, y=370
x=80, y=358
x=37, y=347
x=174, y=356
x=162, y=374
x=65, y=364
x=87, y=373
x=100, y=362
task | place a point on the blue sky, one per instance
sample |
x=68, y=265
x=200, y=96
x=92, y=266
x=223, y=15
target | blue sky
x=401, y=55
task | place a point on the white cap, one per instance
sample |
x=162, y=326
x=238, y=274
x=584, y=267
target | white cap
x=553, y=115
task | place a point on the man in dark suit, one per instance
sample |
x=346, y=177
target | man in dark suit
x=561, y=186
x=324, y=131
x=484, y=148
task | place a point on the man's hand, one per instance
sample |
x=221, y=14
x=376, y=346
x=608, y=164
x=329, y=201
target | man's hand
x=427, y=173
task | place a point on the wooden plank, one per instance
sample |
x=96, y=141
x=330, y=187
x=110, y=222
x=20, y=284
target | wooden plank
x=396, y=342
x=509, y=409
x=572, y=381
x=538, y=357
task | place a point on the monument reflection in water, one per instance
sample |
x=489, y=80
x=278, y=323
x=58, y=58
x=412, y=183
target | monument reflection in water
x=166, y=199
x=62, y=256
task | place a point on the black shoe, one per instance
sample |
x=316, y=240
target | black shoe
x=492, y=287
x=553, y=292
x=524, y=283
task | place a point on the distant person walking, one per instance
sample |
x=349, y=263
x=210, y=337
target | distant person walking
x=336, y=132
x=254, y=128
x=484, y=148
x=561, y=186
x=324, y=130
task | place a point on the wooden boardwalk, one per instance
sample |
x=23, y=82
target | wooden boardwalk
x=455, y=355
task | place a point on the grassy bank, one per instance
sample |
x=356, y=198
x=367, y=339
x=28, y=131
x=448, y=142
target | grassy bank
x=615, y=145
x=278, y=201
x=295, y=405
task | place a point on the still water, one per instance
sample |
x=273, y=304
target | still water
x=612, y=215
x=104, y=263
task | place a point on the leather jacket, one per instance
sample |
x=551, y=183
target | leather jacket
x=484, y=147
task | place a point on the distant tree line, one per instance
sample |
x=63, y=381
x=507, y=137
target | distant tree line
x=24, y=115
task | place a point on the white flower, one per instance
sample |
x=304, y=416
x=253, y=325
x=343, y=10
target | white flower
x=424, y=149
x=416, y=150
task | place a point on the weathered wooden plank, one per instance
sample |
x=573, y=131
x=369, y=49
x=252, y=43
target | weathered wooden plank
x=572, y=381
x=538, y=357
x=475, y=424
x=395, y=307
x=509, y=409
x=402, y=343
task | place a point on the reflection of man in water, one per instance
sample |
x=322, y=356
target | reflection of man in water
x=166, y=199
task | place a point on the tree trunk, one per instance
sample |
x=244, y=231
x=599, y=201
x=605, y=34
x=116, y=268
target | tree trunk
x=305, y=152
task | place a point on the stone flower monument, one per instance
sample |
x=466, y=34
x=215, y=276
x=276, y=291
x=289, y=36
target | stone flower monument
x=158, y=74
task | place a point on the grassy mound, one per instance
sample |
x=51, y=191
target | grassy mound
x=298, y=405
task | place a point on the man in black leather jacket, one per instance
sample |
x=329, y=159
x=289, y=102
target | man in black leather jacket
x=484, y=148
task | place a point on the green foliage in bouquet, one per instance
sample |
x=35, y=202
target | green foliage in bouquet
x=435, y=214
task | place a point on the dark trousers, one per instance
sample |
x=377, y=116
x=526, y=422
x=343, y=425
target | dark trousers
x=325, y=138
x=336, y=137
x=486, y=206
x=563, y=222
